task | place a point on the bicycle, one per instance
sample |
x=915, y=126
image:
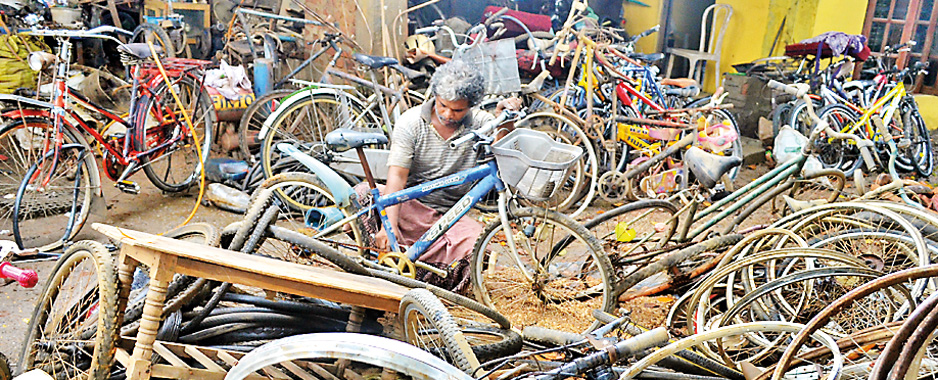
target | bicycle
x=59, y=182
x=644, y=230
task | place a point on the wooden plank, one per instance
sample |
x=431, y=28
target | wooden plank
x=168, y=355
x=163, y=371
x=224, y=265
x=227, y=358
x=322, y=372
x=275, y=373
x=296, y=370
x=204, y=360
x=122, y=356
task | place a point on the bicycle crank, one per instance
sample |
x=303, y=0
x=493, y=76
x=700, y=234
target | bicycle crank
x=398, y=261
x=613, y=186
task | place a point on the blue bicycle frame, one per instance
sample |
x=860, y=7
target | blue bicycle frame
x=487, y=177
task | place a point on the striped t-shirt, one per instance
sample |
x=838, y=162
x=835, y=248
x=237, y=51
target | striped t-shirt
x=417, y=146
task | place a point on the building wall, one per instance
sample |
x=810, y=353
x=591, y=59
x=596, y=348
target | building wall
x=755, y=24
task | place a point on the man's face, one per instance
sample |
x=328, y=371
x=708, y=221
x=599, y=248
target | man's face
x=451, y=112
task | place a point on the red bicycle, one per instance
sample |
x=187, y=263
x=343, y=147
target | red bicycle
x=42, y=145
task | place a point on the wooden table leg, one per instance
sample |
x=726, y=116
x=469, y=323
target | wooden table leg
x=161, y=273
x=125, y=273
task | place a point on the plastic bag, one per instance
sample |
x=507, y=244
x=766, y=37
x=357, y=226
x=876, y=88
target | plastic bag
x=788, y=144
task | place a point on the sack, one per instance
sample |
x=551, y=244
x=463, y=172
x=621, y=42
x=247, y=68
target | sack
x=14, y=71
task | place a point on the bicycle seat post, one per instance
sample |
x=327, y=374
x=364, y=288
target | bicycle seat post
x=366, y=167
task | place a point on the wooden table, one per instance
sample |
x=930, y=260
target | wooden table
x=165, y=257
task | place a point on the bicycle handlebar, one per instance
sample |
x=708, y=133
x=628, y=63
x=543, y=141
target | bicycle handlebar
x=27, y=278
x=96, y=32
x=646, y=33
x=487, y=127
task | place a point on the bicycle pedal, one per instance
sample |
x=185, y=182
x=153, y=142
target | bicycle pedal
x=129, y=187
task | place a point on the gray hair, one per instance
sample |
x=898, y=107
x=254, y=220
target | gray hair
x=457, y=80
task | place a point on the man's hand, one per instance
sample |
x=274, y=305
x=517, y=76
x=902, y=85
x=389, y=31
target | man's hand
x=381, y=240
x=512, y=104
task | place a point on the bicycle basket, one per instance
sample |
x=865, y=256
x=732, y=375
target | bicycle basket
x=533, y=163
x=498, y=64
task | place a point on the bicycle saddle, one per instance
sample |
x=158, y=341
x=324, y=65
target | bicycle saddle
x=374, y=61
x=343, y=139
x=139, y=50
x=708, y=168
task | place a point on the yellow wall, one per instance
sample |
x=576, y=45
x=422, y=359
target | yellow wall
x=843, y=16
x=638, y=19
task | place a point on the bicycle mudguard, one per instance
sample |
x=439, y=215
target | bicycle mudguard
x=296, y=97
x=341, y=190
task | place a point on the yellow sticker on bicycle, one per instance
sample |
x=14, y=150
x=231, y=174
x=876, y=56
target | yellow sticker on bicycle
x=624, y=233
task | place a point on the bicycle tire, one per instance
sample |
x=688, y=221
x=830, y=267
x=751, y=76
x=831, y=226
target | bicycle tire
x=429, y=326
x=22, y=142
x=307, y=121
x=155, y=34
x=53, y=200
x=920, y=153
x=94, y=321
x=780, y=116
x=159, y=119
x=253, y=120
x=260, y=201
x=362, y=349
x=589, y=287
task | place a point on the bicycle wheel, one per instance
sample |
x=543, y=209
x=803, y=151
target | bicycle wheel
x=780, y=116
x=736, y=148
x=431, y=328
x=73, y=329
x=54, y=200
x=838, y=154
x=5, y=373
x=22, y=144
x=306, y=122
x=156, y=35
x=635, y=232
x=558, y=274
x=920, y=152
x=253, y=120
x=176, y=161
x=581, y=185
x=363, y=355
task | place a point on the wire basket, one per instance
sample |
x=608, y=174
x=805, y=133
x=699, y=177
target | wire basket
x=533, y=163
x=498, y=63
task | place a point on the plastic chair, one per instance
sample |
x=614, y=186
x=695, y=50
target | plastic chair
x=711, y=42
